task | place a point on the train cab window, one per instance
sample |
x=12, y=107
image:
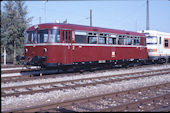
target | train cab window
x=54, y=35
x=42, y=36
x=151, y=40
x=80, y=37
x=121, y=40
x=166, y=43
x=29, y=39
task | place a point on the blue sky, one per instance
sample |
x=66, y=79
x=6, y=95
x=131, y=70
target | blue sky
x=116, y=14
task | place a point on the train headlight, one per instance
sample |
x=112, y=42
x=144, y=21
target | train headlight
x=152, y=50
x=44, y=50
x=26, y=50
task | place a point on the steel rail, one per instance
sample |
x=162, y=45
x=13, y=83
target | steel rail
x=94, y=82
x=130, y=106
x=22, y=78
x=67, y=104
x=108, y=76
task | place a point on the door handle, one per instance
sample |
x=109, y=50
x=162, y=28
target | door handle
x=73, y=47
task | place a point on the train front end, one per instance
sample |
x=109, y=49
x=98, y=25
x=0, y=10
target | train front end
x=39, y=46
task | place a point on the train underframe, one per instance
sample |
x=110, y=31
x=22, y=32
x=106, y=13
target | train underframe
x=104, y=64
x=40, y=61
x=159, y=59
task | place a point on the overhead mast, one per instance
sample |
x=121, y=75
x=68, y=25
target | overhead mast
x=90, y=17
x=45, y=10
x=147, y=15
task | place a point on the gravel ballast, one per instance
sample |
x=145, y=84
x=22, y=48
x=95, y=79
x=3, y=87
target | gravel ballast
x=10, y=103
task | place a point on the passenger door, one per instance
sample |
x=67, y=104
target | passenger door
x=67, y=46
x=160, y=44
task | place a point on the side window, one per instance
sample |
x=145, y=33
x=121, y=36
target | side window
x=143, y=40
x=166, y=43
x=128, y=40
x=102, y=38
x=136, y=41
x=92, y=38
x=121, y=40
x=159, y=40
x=63, y=33
x=80, y=37
x=112, y=41
x=67, y=36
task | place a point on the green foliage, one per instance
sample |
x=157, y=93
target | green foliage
x=14, y=22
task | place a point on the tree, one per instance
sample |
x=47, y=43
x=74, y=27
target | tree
x=14, y=22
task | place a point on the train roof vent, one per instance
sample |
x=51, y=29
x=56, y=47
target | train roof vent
x=57, y=21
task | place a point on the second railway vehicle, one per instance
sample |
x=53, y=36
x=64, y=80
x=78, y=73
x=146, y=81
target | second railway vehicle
x=58, y=45
x=158, y=45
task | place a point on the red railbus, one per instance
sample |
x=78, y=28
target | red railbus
x=56, y=44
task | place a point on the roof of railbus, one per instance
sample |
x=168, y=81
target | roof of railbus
x=83, y=28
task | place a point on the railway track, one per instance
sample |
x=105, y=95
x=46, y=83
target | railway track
x=10, y=66
x=17, y=74
x=29, y=76
x=70, y=84
x=20, y=69
x=150, y=98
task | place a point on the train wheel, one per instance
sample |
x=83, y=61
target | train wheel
x=162, y=61
x=64, y=69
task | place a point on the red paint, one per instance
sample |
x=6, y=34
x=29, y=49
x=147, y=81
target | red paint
x=67, y=54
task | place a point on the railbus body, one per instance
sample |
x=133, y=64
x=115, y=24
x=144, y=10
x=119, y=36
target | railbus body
x=158, y=44
x=55, y=44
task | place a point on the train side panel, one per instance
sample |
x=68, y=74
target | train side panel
x=96, y=53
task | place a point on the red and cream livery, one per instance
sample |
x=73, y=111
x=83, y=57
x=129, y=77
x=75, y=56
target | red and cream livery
x=54, y=44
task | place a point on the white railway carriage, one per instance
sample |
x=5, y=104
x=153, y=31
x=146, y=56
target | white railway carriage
x=158, y=45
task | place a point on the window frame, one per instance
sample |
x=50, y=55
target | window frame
x=102, y=35
x=127, y=38
x=113, y=36
x=137, y=39
x=121, y=37
x=166, y=44
x=33, y=34
x=79, y=31
x=92, y=34
x=36, y=37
